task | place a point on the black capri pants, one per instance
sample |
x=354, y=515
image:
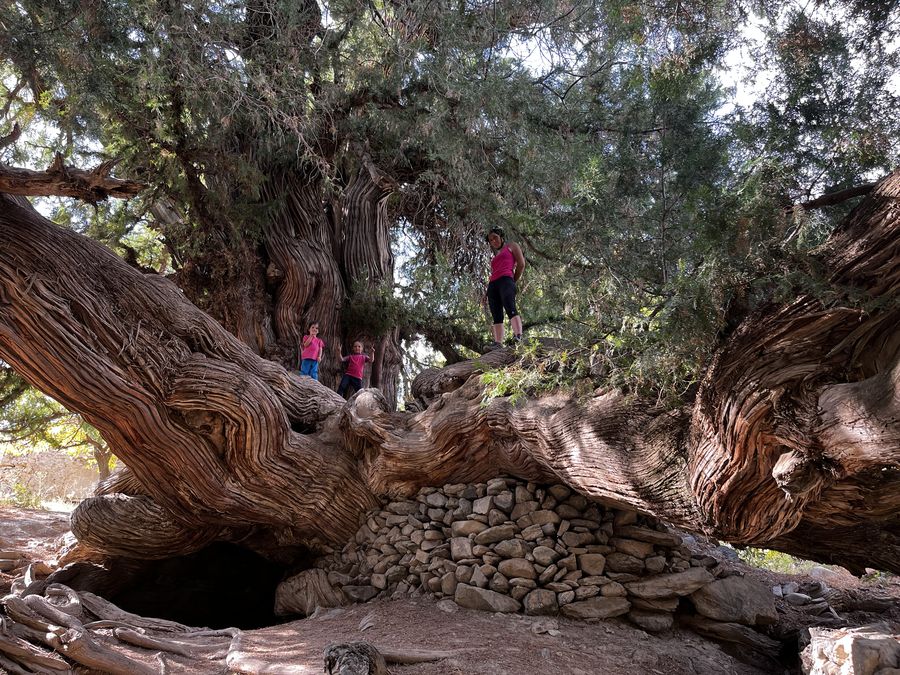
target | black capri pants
x=501, y=294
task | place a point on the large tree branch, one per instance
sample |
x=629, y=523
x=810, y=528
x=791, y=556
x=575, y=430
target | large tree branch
x=59, y=180
x=838, y=197
x=794, y=428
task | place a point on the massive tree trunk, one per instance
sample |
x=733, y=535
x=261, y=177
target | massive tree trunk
x=791, y=443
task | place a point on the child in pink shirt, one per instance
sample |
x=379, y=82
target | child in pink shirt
x=354, y=369
x=312, y=348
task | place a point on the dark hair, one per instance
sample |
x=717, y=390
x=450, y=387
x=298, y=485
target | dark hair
x=495, y=230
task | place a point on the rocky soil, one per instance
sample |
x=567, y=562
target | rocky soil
x=472, y=641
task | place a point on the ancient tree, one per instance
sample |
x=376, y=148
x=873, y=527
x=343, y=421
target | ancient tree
x=790, y=441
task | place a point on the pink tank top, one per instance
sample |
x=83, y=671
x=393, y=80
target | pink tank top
x=503, y=264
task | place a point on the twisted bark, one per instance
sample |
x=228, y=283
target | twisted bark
x=791, y=441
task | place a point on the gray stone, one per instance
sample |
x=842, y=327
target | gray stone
x=638, y=549
x=470, y=492
x=483, y=505
x=575, y=539
x=613, y=590
x=548, y=574
x=379, y=581
x=545, y=518
x=436, y=499
x=540, y=601
x=652, y=622
x=478, y=578
x=519, y=592
x=585, y=592
x=460, y=548
x=486, y=600
x=463, y=528
x=495, y=486
x=621, y=518
x=448, y=583
x=517, y=567
x=532, y=533
x=544, y=555
x=661, y=605
x=360, y=593
x=496, y=517
x=338, y=579
x=499, y=583
x=569, y=563
x=622, y=562
x=560, y=492
x=511, y=548
x=523, y=495
x=655, y=565
x=860, y=651
x=463, y=509
x=567, y=512
x=826, y=574
x=594, y=581
x=488, y=570
x=591, y=563
x=523, y=509
x=504, y=501
x=652, y=536
x=557, y=587
x=670, y=585
x=565, y=597
x=464, y=573
x=596, y=608
x=736, y=599
x=494, y=534
x=577, y=501
x=524, y=583
x=402, y=508
x=797, y=598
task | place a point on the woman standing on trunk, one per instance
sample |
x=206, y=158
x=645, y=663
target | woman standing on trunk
x=507, y=266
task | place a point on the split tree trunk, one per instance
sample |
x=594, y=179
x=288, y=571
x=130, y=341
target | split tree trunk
x=792, y=443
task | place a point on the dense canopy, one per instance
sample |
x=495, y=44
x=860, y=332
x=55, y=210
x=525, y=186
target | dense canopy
x=662, y=165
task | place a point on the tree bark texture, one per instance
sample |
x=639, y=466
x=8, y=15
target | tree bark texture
x=791, y=442
x=302, y=270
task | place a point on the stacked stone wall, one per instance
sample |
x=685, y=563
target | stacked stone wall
x=511, y=546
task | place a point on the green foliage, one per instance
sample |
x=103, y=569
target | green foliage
x=24, y=497
x=774, y=561
x=649, y=201
x=375, y=307
x=31, y=422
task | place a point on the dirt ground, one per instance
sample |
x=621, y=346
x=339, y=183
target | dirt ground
x=478, y=643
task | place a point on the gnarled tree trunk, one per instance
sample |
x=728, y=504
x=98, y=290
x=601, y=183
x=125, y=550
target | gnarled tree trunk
x=791, y=443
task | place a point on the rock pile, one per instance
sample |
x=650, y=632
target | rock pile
x=510, y=546
x=867, y=650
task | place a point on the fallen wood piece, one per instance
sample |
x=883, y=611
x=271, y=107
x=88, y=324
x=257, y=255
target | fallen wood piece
x=29, y=655
x=104, y=609
x=53, y=614
x=80, y=647
x=137, y=639
x=410, y=656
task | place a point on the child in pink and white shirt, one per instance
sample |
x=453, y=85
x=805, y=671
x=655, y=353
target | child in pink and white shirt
x=312, y=348
x=353, y=373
